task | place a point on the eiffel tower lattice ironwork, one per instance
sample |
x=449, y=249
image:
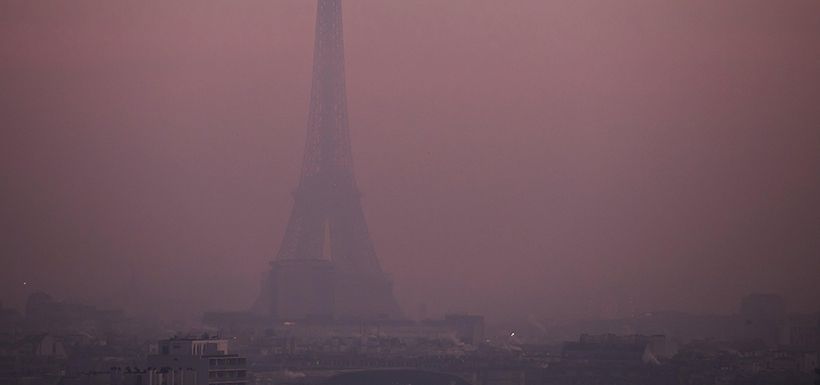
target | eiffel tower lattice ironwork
x=327, y=265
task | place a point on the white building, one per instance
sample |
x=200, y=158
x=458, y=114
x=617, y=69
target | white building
x=207, y=357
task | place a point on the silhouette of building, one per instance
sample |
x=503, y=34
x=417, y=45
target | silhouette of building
x=468, y=329
x=10, y=321
x=327, y=265
x=133, y=376
x=802, y=330
x=36, y=357
x=610, y=347
x=44, y=313
x=764, y=317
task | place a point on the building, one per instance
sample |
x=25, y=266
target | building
x=610, y=347
x=44, y=313
x=33, y=357
x=802, y=330
x=468, y=329
x=9, y=320
x=133, y=376
x=763, y=317
x=207, y=357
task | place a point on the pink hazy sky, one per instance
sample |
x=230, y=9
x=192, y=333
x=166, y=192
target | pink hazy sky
x=517, y=158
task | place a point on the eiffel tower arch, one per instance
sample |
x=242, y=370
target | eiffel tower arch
x=326, y=265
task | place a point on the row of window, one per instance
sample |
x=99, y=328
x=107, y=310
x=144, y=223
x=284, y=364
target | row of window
x=231, y=383
x=227, y=361
x=228, y=374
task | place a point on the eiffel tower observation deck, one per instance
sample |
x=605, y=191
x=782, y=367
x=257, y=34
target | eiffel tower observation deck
x=326, y=265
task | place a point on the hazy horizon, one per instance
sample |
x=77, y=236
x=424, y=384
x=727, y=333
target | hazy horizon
x=516, y=159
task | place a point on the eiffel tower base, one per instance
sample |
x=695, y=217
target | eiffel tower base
x=313, y=288
x=301, y=288
x=365, y=296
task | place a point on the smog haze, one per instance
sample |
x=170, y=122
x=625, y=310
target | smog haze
x=516, y=158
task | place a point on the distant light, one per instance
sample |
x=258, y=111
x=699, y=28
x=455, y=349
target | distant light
x=25, y=283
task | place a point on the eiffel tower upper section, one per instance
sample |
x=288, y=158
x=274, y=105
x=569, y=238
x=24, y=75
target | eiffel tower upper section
x=327, y=221
x=327, y=157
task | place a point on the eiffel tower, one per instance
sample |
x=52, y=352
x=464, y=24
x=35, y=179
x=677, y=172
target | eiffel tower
x=327, y=265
